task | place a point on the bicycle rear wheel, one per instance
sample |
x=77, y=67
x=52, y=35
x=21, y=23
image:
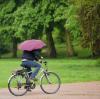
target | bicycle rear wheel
x=50, y=83
x=16, y=85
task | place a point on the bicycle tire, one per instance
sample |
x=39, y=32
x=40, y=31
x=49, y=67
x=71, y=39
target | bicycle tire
x=10, y=89
x=58, y=83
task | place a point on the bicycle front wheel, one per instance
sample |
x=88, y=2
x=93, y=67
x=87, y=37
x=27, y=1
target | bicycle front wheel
x=16, y=85
x=50, y=83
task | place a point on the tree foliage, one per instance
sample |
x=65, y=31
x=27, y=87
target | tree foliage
x=89, y=16
x=74, y=19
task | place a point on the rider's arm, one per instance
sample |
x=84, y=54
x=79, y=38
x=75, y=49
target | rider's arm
x=37, y=55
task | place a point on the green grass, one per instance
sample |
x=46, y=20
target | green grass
x=69, y=70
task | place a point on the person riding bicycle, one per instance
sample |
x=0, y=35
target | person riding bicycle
x=29, y=60
x=24, y=80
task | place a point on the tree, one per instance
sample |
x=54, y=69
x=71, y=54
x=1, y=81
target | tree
x=6, y=20
x=48, y=10
x=72, y=28
x=89, y=16
x=67, y=23
x=3, y=46
x=18, y=20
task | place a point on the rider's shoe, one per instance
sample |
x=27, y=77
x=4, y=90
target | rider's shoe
x=29, y=89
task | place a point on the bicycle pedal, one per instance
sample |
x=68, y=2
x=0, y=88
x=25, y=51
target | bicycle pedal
x=26, y=86
x=29, y=90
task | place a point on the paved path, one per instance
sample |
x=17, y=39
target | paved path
x=90, y=90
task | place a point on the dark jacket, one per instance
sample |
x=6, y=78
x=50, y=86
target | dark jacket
x=31, y=55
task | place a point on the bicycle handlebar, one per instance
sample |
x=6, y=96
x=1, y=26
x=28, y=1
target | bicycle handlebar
x=43, y=61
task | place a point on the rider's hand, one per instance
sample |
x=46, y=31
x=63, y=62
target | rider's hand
x=40, y=60
x=41, y=57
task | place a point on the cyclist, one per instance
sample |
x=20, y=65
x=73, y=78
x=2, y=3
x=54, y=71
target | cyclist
x=29, y=60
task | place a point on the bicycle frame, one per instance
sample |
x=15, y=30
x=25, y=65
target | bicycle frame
x=41, y=72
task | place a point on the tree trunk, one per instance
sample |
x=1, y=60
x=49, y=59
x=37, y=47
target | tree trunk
x=0, y=55
x=14, y=47
x=96, y=48
x=69, y=46
x=50, y=42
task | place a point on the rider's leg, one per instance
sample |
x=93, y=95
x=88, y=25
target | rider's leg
x=37, y=68
x=29, y=70
x=33, y=64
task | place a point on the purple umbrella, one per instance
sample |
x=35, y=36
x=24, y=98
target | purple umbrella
x=30, y=45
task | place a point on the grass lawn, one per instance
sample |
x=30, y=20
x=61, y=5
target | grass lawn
x=69, y=70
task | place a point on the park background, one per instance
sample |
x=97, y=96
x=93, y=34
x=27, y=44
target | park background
x=70, y=28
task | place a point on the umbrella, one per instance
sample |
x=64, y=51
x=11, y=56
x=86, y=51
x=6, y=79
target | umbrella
x=30, y=45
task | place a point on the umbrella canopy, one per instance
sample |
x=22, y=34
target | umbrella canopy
x=30, y=45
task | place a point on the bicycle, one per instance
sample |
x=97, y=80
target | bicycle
x=19, y=84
